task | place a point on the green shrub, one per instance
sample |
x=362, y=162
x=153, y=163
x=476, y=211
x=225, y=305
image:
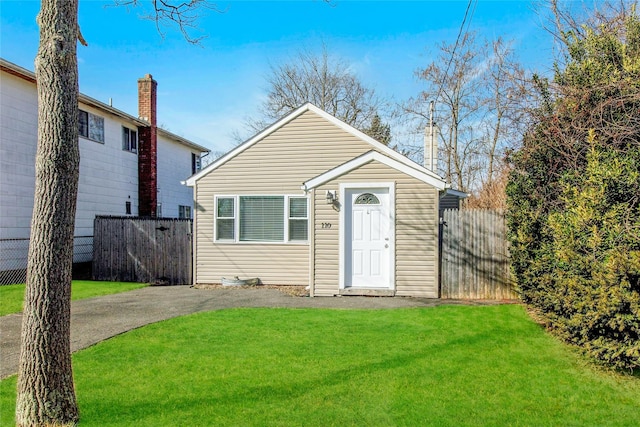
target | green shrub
x=582, y=273
x=573, y=198
x=596, y=250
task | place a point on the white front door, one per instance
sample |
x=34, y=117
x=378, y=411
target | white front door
x=368, y=238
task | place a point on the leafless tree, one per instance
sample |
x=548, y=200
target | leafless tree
x=454, y=81
x=479, y=90
x=45, y=381
x=564, y=19
x=45, y=394
x=324, y=80
x=507, y=98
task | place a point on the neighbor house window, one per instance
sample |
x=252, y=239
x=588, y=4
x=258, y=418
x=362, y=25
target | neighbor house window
x=184, y=212
x=91, y=126
x=196, y=163
x=262, y=218
x=127, y=208
x=129, y=140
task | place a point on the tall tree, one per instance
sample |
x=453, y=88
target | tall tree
x=378, y=130
x=45, y=394
x=325, y=81
x=453, y=83
x=507, y=93
x=477, y=87
x=45, y=382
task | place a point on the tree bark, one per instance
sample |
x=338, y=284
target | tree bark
x=46, y=394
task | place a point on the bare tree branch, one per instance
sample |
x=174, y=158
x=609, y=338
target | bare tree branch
x=184, y=15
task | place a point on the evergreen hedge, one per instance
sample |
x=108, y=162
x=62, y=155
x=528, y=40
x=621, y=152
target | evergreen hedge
x=574, y=198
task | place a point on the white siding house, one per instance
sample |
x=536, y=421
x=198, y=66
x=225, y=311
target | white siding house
x=110, y=173
x=173, y=161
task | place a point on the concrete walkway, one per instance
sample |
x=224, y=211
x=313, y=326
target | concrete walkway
x=97, y=319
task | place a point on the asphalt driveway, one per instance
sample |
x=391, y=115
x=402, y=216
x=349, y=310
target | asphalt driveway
x=97, y=319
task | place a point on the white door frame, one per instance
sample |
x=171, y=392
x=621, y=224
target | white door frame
x=392, y=227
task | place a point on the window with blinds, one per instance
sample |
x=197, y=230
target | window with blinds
x=262, y=219
x=298, y=219
x=225, y=218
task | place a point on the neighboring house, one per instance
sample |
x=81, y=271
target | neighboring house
x=128, y=166
x=313, y=201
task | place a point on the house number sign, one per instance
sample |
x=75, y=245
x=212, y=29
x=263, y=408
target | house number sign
x=326, y=225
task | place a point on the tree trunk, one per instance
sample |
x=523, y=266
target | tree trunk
x=46, y=393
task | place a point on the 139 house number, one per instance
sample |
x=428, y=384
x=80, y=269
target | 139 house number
x=326, y=225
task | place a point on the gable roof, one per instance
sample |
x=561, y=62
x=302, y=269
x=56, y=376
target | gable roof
x=15, y=70
x=293, y=115
x=366, y=158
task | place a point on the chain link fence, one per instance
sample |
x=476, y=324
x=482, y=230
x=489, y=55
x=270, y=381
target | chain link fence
x=14, y=254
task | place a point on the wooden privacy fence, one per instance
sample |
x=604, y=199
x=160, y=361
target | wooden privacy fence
x=145, y=250
x=474, y=256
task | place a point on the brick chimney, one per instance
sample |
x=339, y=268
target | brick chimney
x=147, y=147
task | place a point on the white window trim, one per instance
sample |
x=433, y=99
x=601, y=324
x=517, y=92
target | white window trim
x=215, y=218
x=236, y=220
x=288, y=218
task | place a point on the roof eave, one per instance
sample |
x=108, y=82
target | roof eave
x=302, y=109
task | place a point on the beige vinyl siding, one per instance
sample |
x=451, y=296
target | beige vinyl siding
x=416, y=238
x=281, y=162
x=416, y=233
x=326, y=244
x=276, y=165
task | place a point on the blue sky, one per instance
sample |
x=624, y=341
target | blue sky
x=205, y=92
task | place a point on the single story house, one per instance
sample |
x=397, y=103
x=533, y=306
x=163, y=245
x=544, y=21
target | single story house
x=313, y=201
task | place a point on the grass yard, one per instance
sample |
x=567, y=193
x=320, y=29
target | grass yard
x=444, y=366
x=12, y=296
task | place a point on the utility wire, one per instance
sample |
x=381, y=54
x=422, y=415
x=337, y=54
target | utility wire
x=455, y=46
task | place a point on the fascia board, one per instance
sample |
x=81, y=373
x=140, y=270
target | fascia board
x=183, y=141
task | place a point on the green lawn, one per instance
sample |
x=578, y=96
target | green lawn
x=12, y=296
x=445, y=366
